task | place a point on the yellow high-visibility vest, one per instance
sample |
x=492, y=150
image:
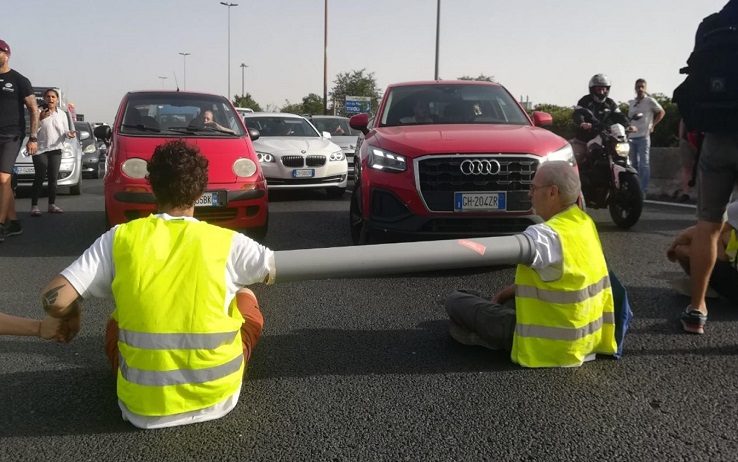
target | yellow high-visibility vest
x=562, y=322
x=180, y=350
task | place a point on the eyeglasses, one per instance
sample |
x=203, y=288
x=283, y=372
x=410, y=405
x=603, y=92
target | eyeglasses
x=533, y=187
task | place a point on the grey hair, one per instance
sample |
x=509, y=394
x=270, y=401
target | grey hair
x=562, y=174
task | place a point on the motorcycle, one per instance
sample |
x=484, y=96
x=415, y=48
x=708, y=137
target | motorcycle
x=608, y=179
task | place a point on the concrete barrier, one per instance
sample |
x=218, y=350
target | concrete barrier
x=666, y=164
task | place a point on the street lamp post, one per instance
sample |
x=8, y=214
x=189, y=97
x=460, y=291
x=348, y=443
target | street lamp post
x=438, y=33
x=325, y=57
x=229, y=5
x=162, y=78
x=184, y=69
x=243, y=68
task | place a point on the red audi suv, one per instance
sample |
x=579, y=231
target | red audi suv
x=451, y=158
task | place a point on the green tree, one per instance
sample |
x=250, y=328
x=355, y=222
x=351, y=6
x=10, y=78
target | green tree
x=311, y=104
x=246, y=101
x=481, y=77
x=354, y=83
x=292, y=108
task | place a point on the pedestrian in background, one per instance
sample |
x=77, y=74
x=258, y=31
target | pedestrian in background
x=52, y=134
x=15, y=92
x=640, y=140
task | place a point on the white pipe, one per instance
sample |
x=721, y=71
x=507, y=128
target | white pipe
x=409, y=257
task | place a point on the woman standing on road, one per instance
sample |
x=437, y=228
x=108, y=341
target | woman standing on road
x=53, y=131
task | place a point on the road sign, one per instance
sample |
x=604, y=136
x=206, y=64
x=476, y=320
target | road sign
x=357, y=104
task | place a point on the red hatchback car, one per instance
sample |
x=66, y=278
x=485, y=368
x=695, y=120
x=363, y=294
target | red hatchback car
x=236, y=195
x=452, y=158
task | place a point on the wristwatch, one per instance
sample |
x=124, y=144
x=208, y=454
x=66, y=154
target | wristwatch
x=32, y=139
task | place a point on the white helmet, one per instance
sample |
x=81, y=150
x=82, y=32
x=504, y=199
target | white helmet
x=599, y=80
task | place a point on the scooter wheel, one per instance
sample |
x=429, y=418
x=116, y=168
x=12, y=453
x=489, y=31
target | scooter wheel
x=626, y=204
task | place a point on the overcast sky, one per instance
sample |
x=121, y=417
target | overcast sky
x=545, y=50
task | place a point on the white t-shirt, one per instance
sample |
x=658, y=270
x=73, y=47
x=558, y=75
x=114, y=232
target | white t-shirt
x=548, y=257
x=248, y=263
x=649, y=107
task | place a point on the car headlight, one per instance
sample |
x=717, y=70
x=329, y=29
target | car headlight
x=380, y=159
x=90, y=149
x=135, y=168
x=566, y=153
x=264, y=157
x=622, y=149
x=337, y=156
x=244, y=167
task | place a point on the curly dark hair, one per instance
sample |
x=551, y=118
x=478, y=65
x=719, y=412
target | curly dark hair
x=178, y=174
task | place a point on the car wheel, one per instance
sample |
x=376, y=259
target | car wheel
x=359, y=228
x=75, y=190
x=335, y=193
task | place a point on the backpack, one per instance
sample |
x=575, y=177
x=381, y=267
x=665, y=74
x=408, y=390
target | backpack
x=708, y=97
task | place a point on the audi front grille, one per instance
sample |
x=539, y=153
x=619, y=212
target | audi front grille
x=438, y=177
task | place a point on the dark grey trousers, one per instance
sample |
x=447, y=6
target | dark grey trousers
x=492, y=322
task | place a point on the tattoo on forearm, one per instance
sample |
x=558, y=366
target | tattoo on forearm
x=49, y=298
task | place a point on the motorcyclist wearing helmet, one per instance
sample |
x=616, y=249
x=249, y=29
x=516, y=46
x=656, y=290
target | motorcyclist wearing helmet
x=598, y=102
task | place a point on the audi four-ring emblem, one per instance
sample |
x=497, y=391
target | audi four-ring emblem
x=480, y=167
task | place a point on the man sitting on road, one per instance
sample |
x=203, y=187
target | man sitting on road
x=724, y=276
x=184, y=326
x=560, y=311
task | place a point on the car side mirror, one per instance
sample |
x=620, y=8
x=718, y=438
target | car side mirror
x=360, y=122
x=254, y=134
x=326, y=135
x=542, y=119
x=103, y=132
x=84, y=135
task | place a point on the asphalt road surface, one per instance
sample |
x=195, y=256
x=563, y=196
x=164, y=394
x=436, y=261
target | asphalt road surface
x=364, y=369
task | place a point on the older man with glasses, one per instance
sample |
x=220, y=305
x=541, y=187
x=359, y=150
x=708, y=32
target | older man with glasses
x=560, y=311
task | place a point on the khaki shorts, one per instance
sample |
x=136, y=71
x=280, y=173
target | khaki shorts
x=717, y=175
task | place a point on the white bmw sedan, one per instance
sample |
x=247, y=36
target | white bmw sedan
x=294, y=155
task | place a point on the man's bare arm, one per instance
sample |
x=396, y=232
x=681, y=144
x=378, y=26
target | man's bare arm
x=59, y=297
x=32, y=112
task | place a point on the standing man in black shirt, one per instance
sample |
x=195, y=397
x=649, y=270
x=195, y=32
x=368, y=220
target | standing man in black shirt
x=15, y=92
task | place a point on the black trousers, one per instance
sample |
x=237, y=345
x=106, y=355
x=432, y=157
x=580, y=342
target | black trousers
x=45, y=165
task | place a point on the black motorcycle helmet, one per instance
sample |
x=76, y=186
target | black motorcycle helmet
x=599, y=80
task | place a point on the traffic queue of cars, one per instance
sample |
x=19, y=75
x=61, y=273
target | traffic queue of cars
x=439, y=159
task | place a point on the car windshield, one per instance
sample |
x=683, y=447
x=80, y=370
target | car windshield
x=281, y=126
x=336, y=126
x=167, y=114
x=451, y=104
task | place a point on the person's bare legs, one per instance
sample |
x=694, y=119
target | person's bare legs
x=7, y=201
x=253, y=322
x=702, y=256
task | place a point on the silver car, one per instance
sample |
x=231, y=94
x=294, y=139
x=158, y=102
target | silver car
x=70, y=171
x=341, y=134
x=294, y=155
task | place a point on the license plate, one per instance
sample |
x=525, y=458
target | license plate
x=479, y=201
x=303, y=173
x=210, y=199
x=25, y=170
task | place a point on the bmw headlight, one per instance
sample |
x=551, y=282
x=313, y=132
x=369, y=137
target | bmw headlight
x=336, y=156
x=244, y=167
x=622, y=149
x=264, y=157
x=380, y=159
x=566, y=153
x=90, y=149
x=135, y=168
